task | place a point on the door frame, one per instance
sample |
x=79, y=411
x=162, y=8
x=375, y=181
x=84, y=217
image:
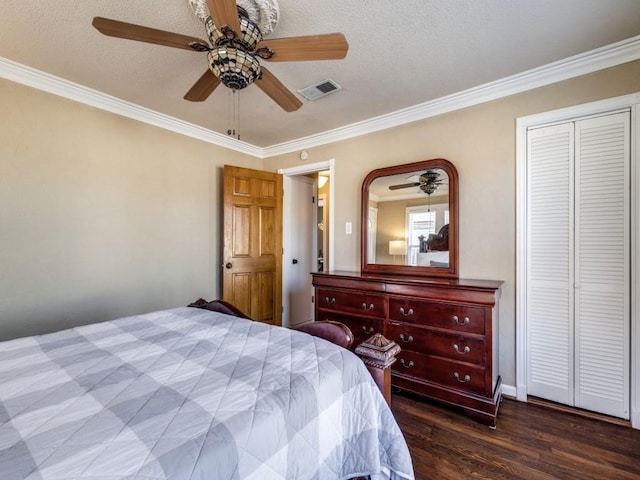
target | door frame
x=287, y=173
x=632, y=102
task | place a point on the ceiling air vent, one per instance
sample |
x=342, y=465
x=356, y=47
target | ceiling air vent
x=325, y=87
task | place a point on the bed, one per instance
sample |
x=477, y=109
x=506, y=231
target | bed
x=189, y=393
x=433, y=258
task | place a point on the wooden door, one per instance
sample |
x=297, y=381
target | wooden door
x=252, y=256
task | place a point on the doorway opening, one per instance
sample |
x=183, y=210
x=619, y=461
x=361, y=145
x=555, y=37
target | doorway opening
x=307, y=230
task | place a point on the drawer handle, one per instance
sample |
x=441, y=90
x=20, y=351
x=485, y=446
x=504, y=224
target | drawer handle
x=456, y=320
x=465, y=350
x=407, y=365
x=407, y=314
x=370, y=307
x=407, y=340
x=466, y=379
x=367, y=330
x=330, y=301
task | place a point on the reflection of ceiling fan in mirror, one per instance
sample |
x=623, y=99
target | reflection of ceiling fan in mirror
x=235, y=44
x=428, y=182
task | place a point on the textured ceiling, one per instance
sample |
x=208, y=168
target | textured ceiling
x=401, y=53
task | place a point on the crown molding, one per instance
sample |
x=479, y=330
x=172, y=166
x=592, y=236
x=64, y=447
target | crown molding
x=608, y=56
x=58, y=86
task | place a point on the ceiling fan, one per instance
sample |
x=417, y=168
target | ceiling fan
x=235, y=44
x=428, y=182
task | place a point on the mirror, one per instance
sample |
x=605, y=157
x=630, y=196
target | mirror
x=410, y=219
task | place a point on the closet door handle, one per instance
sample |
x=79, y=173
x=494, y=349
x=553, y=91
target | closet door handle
x=408, y=313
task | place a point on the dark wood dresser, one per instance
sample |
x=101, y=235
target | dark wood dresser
x=447, y=329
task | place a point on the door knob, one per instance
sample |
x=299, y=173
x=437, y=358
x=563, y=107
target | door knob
x=294, y=261
x=228, y=265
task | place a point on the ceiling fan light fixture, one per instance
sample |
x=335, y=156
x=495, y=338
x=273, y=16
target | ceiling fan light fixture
x=246, y=39
x=235, y=68
x=235, y=47
x=429, y=181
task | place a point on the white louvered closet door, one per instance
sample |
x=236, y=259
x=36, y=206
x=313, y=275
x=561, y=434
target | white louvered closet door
x=602, y=326
x=550, y=269
x=578, y=280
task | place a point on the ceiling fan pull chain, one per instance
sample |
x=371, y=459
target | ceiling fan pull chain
x=237, y=129
x=230, y=113
x=233, y=114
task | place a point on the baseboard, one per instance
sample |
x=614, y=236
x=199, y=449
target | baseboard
x=577, y=411
x=509, y=391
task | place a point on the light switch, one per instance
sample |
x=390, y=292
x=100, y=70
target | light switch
x=348, y=228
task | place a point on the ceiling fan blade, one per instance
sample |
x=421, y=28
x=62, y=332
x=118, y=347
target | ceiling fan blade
x=129, y=31
x=225, y=12
x=205, y=85
x=404, y=185
x=329, y=46
x=277, y=91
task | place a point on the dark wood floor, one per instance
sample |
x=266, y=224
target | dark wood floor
x=530, y=442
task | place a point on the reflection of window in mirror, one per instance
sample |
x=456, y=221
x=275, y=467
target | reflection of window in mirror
x=421, y=222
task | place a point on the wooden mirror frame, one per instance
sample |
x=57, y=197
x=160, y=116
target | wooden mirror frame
x=423, y=271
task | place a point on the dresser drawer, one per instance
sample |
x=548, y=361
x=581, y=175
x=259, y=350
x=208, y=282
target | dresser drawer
x=361, y=327
x=359, y=303
x=460, y=318
x=460, y=375
x=450, y=345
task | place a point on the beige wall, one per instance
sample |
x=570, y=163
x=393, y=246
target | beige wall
x=101, y=216
x=481, y=142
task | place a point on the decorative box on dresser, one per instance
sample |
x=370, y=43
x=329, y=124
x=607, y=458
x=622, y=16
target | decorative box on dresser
x=447, y=328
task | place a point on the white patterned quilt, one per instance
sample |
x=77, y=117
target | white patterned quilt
x=191, y=394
